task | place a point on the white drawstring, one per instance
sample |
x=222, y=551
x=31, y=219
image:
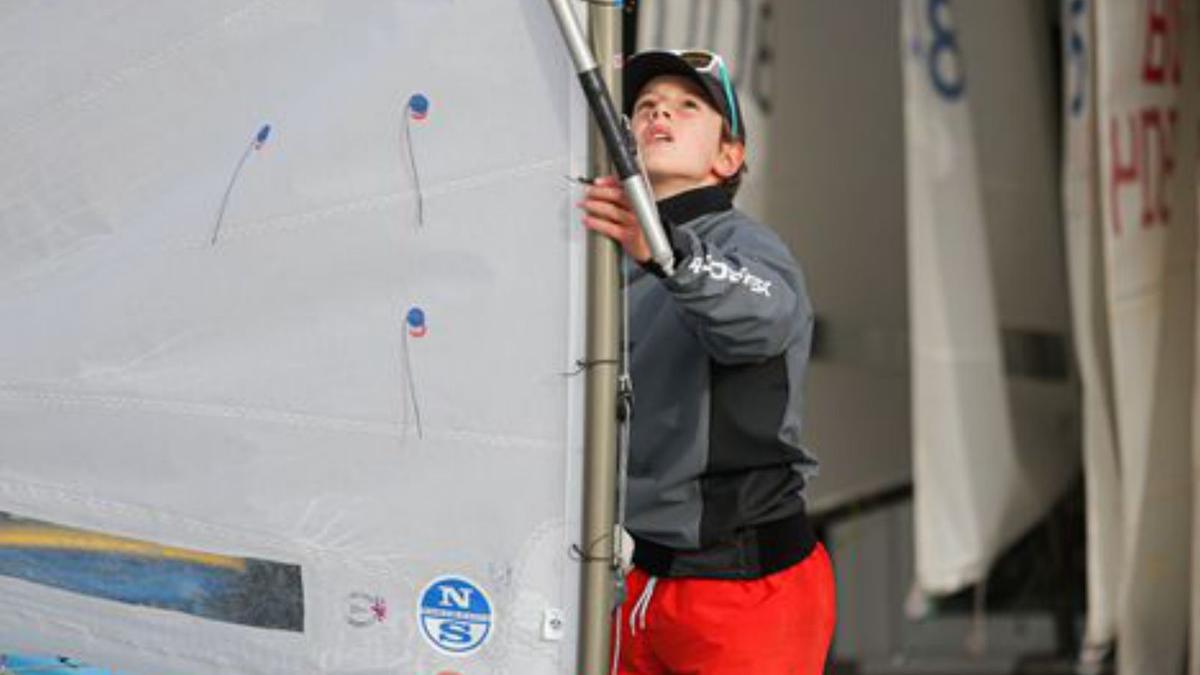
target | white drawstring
x=639, y=611
x=616, y=652
x=638, y=615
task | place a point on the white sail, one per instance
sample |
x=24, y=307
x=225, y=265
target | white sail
x=1085, y=262
x=292, y=287
x=988, y=460
x=959, y=406
x=1146, y=133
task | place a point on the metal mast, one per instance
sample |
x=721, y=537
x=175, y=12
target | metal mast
x=600, y=416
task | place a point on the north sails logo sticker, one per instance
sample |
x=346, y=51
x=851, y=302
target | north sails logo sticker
x=722, y=271
x=455, y=615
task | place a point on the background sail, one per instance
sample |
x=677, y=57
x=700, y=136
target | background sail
x=990, y=452
x=1085, y=263
x=293, y=283
x=1145, y=128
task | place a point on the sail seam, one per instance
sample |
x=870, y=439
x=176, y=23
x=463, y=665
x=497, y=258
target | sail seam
x=275, y=416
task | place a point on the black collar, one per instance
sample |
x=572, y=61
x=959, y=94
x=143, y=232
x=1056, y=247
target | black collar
x=692, y=204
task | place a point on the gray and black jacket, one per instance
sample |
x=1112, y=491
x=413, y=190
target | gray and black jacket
x=718, y=356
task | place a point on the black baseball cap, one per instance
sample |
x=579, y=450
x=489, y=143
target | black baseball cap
x=706, y=69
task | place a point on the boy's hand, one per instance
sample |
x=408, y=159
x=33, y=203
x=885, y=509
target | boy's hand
x=609, y=213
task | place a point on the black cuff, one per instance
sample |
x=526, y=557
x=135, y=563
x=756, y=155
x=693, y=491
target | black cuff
x=652, y=266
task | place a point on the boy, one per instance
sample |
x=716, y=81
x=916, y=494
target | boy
x=728, y=577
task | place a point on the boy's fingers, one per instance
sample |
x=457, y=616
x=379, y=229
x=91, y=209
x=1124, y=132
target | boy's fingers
x=607, y=228
x=610, y=211
x=626, y=237
x=612, y=194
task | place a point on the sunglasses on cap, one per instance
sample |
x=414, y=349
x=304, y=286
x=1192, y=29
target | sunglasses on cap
x=712, y=64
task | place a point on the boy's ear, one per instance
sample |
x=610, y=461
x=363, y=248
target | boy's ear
x=729, y=159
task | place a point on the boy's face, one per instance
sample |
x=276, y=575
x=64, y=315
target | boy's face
x=679, y=137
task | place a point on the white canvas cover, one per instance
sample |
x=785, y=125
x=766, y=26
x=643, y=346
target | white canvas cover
x=988, y=458
x=356, y=370
x=1146, y=131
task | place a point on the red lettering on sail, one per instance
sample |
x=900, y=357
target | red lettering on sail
x=1122, y=172
x=1142, y=152
x=1155, y=208
x=1161, y=59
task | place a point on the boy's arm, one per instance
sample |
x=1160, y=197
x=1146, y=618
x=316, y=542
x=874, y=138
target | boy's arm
x=745, y=302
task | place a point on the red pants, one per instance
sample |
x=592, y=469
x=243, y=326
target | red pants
x=781, y=624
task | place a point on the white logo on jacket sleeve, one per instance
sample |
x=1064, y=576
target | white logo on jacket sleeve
x=718, y=270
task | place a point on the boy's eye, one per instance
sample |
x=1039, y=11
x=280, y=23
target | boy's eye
x=691, y=103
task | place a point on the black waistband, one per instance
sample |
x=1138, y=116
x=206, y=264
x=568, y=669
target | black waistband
x=752, y=553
